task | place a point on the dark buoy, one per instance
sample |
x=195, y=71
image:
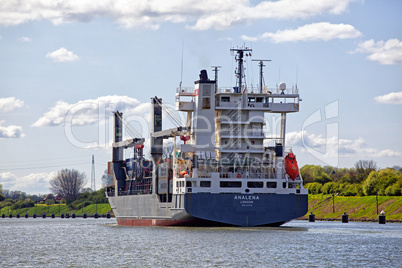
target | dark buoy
x=311, y=217
x=53, y=216
x=85, y=215
x=96, y=215
x=44, y=215
x=108, y=215
x=3, y=215
x=345, y=218
x=34, y=216
x=62, y=215
x=73, y=216
x=381, y=218
x=10, y=216
x=26, y=216
x=18, y=215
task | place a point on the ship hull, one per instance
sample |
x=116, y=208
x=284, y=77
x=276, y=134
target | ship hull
x=207, y=209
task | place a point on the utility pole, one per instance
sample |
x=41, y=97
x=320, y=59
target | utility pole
x=93, y=174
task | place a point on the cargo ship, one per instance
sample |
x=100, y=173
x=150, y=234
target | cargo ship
x=221, y=170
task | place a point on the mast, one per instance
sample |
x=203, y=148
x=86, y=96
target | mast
x=239, y=59
x=216, y=76
x=261, y=64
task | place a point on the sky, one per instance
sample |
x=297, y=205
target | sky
x=65, y=66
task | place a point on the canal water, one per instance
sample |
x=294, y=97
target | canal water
x=101, y=243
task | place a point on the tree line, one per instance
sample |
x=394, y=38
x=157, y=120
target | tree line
x=68, y=184
x=363, y=179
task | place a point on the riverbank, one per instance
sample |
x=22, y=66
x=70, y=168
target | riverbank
x=359, y=208
x=58, y=209
x=325, y=208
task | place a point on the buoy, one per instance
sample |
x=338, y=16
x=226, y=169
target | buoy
x=18, y=215
x=44, y=215
x=26, y=216
x=73, y=216
x=34, y=215
x=381, y=219
x=96, y=215
x=3, y=215
x=10, y=216
x=62, y=215
x=345, y=218
x=85, y=215
x=311, y=217
x=53, y=216
x=108, y=215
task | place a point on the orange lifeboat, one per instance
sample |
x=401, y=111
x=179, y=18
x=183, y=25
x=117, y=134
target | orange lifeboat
x=291, y=166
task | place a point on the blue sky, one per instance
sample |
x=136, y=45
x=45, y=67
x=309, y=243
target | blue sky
x=65, y=66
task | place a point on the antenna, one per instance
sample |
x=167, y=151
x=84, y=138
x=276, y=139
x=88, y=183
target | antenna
x=181, y=71
x=93, y=174
x=216, y=76
x=261, y=63
x=239, y=59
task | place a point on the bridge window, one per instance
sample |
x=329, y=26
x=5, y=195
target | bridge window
x=205, y=183
x=255, y=184
x=230, y=184
x=225, y=99
x=271, y=184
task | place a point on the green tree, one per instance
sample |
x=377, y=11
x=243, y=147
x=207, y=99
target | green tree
x=330, y=188
x=363, y=169
x=314, y=188
x=378, y=181
x=312, y=173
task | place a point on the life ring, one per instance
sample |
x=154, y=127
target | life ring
x=238, y=175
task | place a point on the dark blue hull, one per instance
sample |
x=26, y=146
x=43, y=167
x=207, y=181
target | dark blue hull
x=246, y=209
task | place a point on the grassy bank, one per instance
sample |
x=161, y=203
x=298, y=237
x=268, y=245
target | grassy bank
x=101, y=209
x=358, y=208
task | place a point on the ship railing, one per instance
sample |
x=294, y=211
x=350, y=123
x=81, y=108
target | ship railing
x=185, y=90
x=256, y=90
x=239, y=175
x=136, y=192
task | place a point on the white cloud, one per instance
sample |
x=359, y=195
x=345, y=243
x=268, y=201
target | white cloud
x=311, y=32
x=25, y=39
x=33, y=183
x=346, y=147
x=91, y=111
x=9, y=104
x=390, y=98
x=10, y=132
x=386, y=53
x=62, y=55
x=201, y=15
